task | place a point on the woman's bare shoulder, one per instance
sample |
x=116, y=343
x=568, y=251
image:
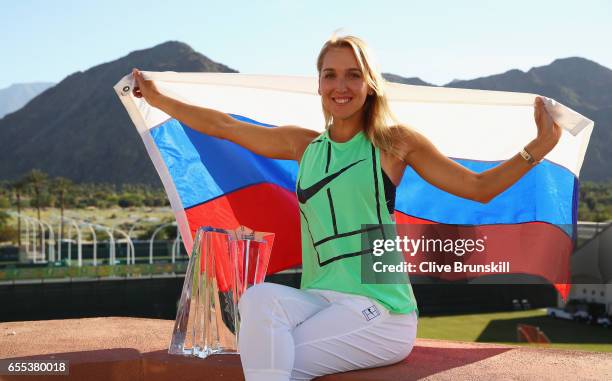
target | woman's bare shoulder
x=403, y=131
x=306, y=137
x=405, y=138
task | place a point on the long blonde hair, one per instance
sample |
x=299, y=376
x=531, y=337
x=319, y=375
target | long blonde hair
x=377, y=114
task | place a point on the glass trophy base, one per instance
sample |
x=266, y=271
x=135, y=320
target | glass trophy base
x=223, y=264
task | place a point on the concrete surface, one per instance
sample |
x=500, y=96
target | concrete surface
x=136, y=349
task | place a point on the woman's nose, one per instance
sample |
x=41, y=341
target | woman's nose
x=341, y=85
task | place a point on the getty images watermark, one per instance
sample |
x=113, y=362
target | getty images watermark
x=393, y=253
x=423, y=245
x=534, y=253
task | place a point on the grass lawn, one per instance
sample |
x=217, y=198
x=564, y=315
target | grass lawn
x=500, y=327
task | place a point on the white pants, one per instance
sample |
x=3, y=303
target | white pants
x=292, y=334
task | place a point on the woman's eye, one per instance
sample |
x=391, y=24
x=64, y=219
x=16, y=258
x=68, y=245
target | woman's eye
x=328, y=75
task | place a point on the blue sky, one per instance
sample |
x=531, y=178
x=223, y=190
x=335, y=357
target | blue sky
x=435, y=40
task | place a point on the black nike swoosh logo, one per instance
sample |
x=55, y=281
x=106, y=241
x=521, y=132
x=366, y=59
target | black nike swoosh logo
x=304, y=195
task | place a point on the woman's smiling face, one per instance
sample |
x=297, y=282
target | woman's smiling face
x=342, y=85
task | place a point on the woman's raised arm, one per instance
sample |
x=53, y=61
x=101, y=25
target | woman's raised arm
x=284, y=142
x=453, y=178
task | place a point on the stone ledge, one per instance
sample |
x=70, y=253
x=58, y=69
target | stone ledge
x=116, y=348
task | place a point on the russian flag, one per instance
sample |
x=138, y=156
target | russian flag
x=214, y=182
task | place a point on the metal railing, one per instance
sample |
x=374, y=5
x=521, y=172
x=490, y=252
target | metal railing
x=39, y=249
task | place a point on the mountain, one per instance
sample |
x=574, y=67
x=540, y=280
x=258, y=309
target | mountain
x=15, y=96
x=597, y=164
x=78, y=129
x=576, y=82
x=407, y=81
x=581, y=84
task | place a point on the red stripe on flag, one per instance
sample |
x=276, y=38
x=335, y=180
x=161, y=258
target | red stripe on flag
x=262, y=207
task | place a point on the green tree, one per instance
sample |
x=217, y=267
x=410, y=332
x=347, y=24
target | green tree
x=3, y=218
x=4, y=202
x=130, y=199
x=61, y=186
x=19, y=187
x=37, y=180
x=7, y=233
x=595, y=201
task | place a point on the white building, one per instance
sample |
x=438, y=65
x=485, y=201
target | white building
x=592, y=266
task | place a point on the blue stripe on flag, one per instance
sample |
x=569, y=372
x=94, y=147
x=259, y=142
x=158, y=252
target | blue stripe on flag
x=203, y=167
x=546, y=194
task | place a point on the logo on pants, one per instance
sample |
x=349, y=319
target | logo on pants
x=370, y=312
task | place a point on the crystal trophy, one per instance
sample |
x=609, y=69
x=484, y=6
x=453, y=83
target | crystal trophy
x=223, y=264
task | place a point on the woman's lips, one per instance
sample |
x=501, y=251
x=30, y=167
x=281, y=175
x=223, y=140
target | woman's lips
x=342, y=100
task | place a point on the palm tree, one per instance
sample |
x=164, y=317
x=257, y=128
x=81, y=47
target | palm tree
x=19, y=187
x=62, y=186
x=37, y=180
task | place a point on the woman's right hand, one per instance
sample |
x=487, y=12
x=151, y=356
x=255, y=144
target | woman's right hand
x=283, y=142
x=144, y=88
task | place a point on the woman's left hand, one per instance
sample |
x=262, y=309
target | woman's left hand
x=549, y=132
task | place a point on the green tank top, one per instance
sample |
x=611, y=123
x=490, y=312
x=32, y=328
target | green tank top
x=340, y=195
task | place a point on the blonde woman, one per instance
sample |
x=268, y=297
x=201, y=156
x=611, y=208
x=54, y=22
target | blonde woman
x=347, y=178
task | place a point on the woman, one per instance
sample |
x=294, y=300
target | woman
x=347, y=179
